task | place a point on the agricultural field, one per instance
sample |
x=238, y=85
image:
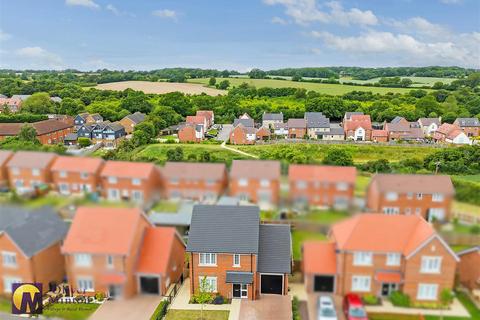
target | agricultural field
x=160, y=87
x=333, y=89
x=417, y=81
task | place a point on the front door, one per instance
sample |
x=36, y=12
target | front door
x=114, y=291
x=240, y=290
x=388, y=288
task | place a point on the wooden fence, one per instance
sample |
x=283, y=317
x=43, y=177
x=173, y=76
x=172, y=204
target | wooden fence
x=467, y=218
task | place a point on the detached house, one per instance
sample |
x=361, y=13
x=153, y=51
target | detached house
x=317, y=124
x=401, y=129
x=86, y=118
x=108, y=133
x=471, y=126
x=429, y=125
x=132, y=181
x=129, y=122
x=270, y=119
x=237, y=255
x=198, y=181
x=255, y=181
x=377, y=254
x=297, y=128
x=451, y=133
x=190, y=132
x=13, y=104
x=468, y=270
x=209, y=115
x=30, y=247
x=427, y=196
x=321, y=186
x=76, y=174
x=243, y=135
x=119, y=252
x=358, y=127
x=4, y=157
x=246, y=122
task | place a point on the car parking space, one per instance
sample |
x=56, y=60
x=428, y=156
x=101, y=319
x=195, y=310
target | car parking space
x=313, y=306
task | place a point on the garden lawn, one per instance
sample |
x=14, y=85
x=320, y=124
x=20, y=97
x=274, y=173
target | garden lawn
x=472, y=178
x=195, y=315
x=462, y=207
x=70, y=311
x=299, y=237
x=361, y=185
x=324, y=216
x=165, y=206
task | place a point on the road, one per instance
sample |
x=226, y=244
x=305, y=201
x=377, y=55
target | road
x=224, y=133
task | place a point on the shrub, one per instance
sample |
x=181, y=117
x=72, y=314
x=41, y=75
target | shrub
x=84, y=142
x=295, y=309
x=160, y=311
x=399, y=299
x=475, y=229
x=100, y=296
x=219, y=300
x=370, y=299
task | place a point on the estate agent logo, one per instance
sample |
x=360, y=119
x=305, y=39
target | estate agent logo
x=27, y=298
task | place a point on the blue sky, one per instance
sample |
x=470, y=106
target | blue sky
x=240, y=35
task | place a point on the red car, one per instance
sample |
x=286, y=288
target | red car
x=353, y=307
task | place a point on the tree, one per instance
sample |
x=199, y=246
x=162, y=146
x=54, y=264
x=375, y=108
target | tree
x=84, y=142
x=27, y=133
x=175, y=154
x=224, y=84
x=204, y=294
x=38, y=103
x=257, y=74
x=212, y=81
x=136, y=103
x=71, y=106
x=338, y=157
x=446, y=298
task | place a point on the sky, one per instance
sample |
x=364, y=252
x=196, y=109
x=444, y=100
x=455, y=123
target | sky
x=237, y=34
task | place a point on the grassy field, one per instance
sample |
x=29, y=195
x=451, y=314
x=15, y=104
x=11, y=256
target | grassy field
x=160, y=87
x=195, y=314
x=324, y=216
x=462, y=207
x=333, y=89
x=472, y=178
x=299, y=237
x=73, y=311
x=417, y=81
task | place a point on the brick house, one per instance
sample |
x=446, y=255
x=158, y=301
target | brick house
x=468, y=268
x=30, y=247
x=129, y=122
x=76, y=174
x=26, y=174
x=262, y=133
x=364, y=256
x=119, y=252
x=4, y=157
x=321, y=186
x=132, y=181
x=237, y=255
x=401, y=129
x=379, y=135
x=358, y=127
x=209, y=116
x=255, y=181
x=198, y=181
x=451, y=133
x=243, y=135
x=189, y=132
x=270, y=119
x=297, y=128
x=428, y=196
x=13, y=104
x=317, y=124
x=429, y=125
x=48, y=131
x=471, y=126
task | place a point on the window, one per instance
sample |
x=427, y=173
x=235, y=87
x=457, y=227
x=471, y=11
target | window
x=431, y=264
x=437, y=197
x=8, y=282
x=391, y=210
x=409, y=196
x=391, y=196
x=83, y=260
x=243, y=182
x=210, y=283
x=136, y=182
x=408, y=211
x=15, y=171
x=361, y=283
x=342, y=186
x=109, y=261
x=393, y=259
x=137, y=195
x=174, y=181
x=264, y=183
x=63, y=174
x=35, y=172
x=208, y=259
x=84, y=175
x=210, y=182
x=419, y=196
x=112, y=180
x=427, y=291
x=301, y=185
x=236, y=260
x=85, y=284
x=9, y=259
x=418, y=211
x=362, y=258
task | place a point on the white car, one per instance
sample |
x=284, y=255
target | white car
x=326, y=308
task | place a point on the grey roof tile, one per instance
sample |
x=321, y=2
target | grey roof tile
x=274, y=249
x=239, y=277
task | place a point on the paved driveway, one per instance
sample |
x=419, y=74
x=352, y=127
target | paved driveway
x=312, y=306
x=140, y=307
x=224, y=133
x=268, y=307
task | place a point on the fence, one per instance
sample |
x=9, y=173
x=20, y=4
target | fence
x=467, y=218
x=461, y=239
x=302, y=225
x=349, y=142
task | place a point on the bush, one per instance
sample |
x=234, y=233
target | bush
x=160, y=311
x=84, y=142
x=295, y=309
x=100, y=296
x=475, y=229
x=219, y=300
x=370, y=299
x=399, y=299
x=467, y=191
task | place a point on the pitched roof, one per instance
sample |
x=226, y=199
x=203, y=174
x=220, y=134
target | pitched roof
x=42, y=127
x=127, y=169
x=156, y=250
x=415, y=183
x=245, y=122
x=272, y=116
x=373, y=232
x=4, y=156
x=136, y=117
x=23, y=159
x=274, y=249
x=333, y=174
x=22, y=97
x=319, y=257
x=116, y=126
x=296, y=123
x=261, y=169
x=398, y=119
x=77, y=164
x=32, y=230
x=349, y=114
x=454, y=133
x=239, y=277
x=445, y=128
x=102, y=230
x=379, y=133
x=316, y=120
x=469, y=250
x=224, y=229
x=356, y=121
x=336, y=131
x=468, y=122
x=428, y=121
x=194, y=170
x=96, y=117
x=196, y=119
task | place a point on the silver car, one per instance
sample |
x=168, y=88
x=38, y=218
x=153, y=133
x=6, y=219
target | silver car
x=326, y=308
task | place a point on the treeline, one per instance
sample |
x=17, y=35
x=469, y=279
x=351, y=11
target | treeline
x=21, y=117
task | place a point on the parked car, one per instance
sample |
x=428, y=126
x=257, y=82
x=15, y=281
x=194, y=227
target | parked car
x=353, y=307
x=326, y=309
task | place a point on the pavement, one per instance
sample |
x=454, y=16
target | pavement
x=268, y=307
x=224, y=133
x=181, y=301
x=140, y=307
x=224, y=146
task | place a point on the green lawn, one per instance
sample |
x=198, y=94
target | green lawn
x=165, y=206
x=361, y=185
x=324, y=216
x=299, y=237
x=462, y=207
x=195, y=315
x=472, y=178
x=70, y=311
x=333, y=89
x=5, y=305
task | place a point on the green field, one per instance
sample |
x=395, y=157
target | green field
x=472, y=178
x=333, y=89
x=417, y=81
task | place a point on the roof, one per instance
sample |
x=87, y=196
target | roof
x=398, y=119
x=296, y=123
x=22, y=97
x=454, y=133
x=42, y=127
x=388, y=276
x=322, y=173
x=156, y=250
x=272, y=116
x=182, y=217
x=127, y=169
x=282, y=125
x=468, y=122
x=274, y=249
x=428, y=121
x=335, y=131
x=23, y=159
x=4, y=156
x=32, y=230
x=196, y=119
x=102, y=230
x=96, y=116
x=71, y=137
x=379, y=133
x=77, y=164
x=245, y=122
x=316, y=120
x=260, y=169
x=205, y=113
x=415, y=183
x=373, y=232
x=136, y=117
x=319, y=257
x=239, y=277
x=349, y=114
x=469, y=250
x=356, y=121
x=116, y=126
x=194, y=170
x=224, y=229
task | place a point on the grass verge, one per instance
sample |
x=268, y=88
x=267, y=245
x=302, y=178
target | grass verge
x=195, y=314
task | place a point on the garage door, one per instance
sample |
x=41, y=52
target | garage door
x=149, y=285
x=272, y=284
x=323, y=283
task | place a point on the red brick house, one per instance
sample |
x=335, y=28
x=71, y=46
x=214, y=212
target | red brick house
x=48, y=131
x=189, y=132
x=209, y=116
x=4, y=157
x=76, y=174
x=471, y=126
x=358, y=127
x=297, y=128
x=119, y=252
x=263, y=133
x=401, y=129
x=236, y=255
x=365, y=255
x=243, y=135
x=428, y=196
x=13, y=104
x=451, y=133
x=321, y=186
x=468, y=268
x=379, y=135
x=255, y=181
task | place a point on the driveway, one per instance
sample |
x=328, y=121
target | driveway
x=312, y=306
x=268, y=307
x=224, y=133
x=140, y=307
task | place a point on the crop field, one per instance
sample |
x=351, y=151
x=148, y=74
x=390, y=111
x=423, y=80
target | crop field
x=333, y=89
x=160, y=87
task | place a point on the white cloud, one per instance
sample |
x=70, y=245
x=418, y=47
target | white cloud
x=278, y=20
x=4, y=35
x=306, y=11
x=96, y=64
x=165, y=14
x=82, y=3
x=419, y=25
x=40, y=57
x=113, y=9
